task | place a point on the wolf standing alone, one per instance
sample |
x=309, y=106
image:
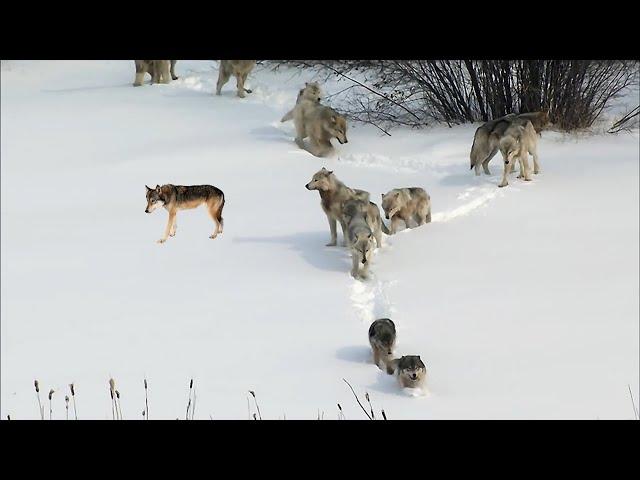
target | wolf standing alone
x=179, y=197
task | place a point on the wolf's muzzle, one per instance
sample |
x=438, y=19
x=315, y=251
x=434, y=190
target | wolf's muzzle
x=146, y=210
x=307, y=186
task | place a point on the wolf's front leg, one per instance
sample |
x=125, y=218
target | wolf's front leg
x=172, y=217
x=334, y=232
x=505, y=174
x=345, y=236
x=395, y=224
x=355, y=265
x=174, y=227
x=364, y=273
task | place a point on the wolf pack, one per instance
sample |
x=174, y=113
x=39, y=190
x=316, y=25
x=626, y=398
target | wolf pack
x=514, y=135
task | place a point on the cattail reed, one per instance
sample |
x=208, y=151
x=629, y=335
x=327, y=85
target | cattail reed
x=340, y=413
x=254, y=416
x=37, y=385
x=112, y=388
x=118, y=405
x=253, y=394
x=146, y=400
x=66, y=405
x=73, y=396
x=51, y=392
x=373, y=415
x=384, y=415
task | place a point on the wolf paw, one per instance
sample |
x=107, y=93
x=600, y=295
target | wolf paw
x=331, y=244
x=213, y=236
x=162, y=240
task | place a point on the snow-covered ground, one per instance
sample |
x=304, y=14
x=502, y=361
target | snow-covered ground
x=522, y=301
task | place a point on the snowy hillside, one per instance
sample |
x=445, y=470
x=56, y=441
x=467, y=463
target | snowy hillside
x=522, y=301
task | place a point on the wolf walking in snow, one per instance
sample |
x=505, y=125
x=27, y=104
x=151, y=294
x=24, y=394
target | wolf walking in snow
x=308, y=98
x=382, y=338
x=239, y=69
x=179, y=197
x=320, y=123
x=487, y=137
x=406, y=204
x=333, y=194
x=161, y=71
x=516, y=144
x=371, y=213
x=361, y=238
x=409, y=370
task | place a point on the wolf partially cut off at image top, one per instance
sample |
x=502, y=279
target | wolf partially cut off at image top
x=179, y=197
x=239, y=69
x=161, y=71
x=333, y=194
x=487, y=137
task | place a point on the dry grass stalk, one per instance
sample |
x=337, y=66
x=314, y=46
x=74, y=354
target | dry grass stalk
x=146, y=401
x=73, y=397
x=51, y=392
x=253, y=394
x=37, y=385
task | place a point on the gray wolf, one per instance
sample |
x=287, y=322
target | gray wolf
x=320, y=123
x=239, y=69
x=179, y=197
x=517, y=143
x=161, y=71
x=360, y=239
x=409, y=370
x=404, y=204
x=487, y=136
x=333, y=194
x=371, y=213
x=310, y=93
x=382, y=338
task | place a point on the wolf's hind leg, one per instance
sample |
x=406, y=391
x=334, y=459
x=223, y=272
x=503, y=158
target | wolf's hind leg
x=223, y=78
x=215, y=212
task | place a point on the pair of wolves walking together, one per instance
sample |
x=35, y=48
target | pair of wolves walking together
x=359, y=218
x=315, y=121
x=516, y=137
x=409, y=370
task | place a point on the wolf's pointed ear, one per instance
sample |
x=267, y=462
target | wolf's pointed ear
x=324, y=169
x=382, y=195
x=334, y=119
x=158, y=187
x=148, y=189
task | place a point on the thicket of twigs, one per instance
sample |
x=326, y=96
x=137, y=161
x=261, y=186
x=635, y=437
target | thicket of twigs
x=419, y=92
